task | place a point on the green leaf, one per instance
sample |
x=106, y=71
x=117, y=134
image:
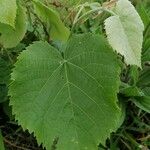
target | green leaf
x=143, y=103
x=10, y=37
x=1, y=142
x=146, y=91
x=144, y=83
x=133, y=75
x=146, y=50
x=8, y=9
x=125, y=32
x=71, y=98
x=131, y=91
x=144, y=79
x=142, y=10
x=51, y=18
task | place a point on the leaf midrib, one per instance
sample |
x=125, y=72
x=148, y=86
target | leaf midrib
x=69, y=94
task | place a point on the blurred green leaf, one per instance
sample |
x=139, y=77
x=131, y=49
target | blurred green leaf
x=144, y=79
x=130, y=91
x=10, y=37
x=51, y=19
x=142, y=10
x=8, y=11
x=143, y=103
x=133, y=75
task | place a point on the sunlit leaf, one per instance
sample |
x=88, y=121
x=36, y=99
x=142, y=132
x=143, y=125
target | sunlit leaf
x=125, y=32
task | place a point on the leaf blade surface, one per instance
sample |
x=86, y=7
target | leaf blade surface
x=70, y=99
x=125, y=32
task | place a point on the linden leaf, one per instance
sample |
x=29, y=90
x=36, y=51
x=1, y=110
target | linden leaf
x=10, y=37
x=51, y=18
x=71, y=98
x=8, y=11
x=125, y=32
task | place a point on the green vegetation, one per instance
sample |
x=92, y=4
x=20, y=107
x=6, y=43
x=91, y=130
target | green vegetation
x=74, y=75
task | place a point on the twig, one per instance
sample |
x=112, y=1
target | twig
x=14, y=145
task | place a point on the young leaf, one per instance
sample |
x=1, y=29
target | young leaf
x=72, y=99
x=143, y=103
x=131, y=91
x=124, y=32
x=8, y=10
x=10, y=37
x=55, y=26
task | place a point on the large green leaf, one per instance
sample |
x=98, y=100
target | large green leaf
x=124, y=31
x=51, y=18
x=71, y=98
x=8, y=11
x=10, y=37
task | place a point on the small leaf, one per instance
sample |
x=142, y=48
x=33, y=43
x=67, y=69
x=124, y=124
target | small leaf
x=142, y=10
x=131, y=91
x=10, y=37
x=124, y=32
x=51, y=18
x=143, y=103
x=71, y=98
x=144, y=83
x=8, y=11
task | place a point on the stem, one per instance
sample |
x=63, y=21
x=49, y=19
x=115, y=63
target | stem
x=78, y=14
x=136, y=144
x=77, y=18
